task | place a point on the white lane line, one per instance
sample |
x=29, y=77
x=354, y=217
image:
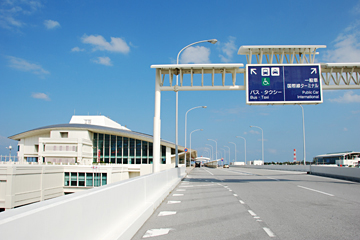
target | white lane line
x=230, y=190
x=331, y=195
x=187, y=186
x=273, y=178
x=235, y=195
x=166, y=213
x=156, y=232
x=269, y=232
x=180, y=190
x=178, y=195
x=242, y=202
x=209, y=172
x=252, y=213
x=173, y=202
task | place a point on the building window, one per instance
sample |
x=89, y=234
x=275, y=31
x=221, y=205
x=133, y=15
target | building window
x=103, y=179
x=36, y=147
x=144, y=152
x=132, y=151
x=64, y=134
x=89, y=179
x=66, y=179
x=119, y=150
x=81, y=179
x=73, y=179
x=150, y=152
x=87, y=121
x=97, y=179
x=138, y=151
x=125, y=150
x=163, y=154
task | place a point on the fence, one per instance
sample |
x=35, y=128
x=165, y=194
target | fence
x=8, y=158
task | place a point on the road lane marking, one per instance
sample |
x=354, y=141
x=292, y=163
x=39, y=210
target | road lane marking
x=242, y=202
x=331, y=195
x=177, y=195
x=156, y=232
x=173, y=202
x=252, y=213
x=235, y=195
x=269, y=232
x=180, y=190
x=273, y=178
x=166, y=213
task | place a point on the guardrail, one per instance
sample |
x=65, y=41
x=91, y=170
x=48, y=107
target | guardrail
x=347, y=173
x=114, y=211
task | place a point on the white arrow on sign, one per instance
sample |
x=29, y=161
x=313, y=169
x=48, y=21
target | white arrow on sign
x=313, y=71
x=253, y=71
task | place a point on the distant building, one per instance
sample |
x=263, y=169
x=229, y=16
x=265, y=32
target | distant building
x=90, y=151
x=256, y=162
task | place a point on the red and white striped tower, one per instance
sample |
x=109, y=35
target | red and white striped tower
x=294, y=155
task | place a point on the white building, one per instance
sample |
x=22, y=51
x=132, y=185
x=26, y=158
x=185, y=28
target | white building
x=90, y=151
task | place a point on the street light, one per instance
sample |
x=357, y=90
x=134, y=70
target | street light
x=190, y=144
x=229, y=153
x=262, y=140
x=213, y=41
x=224, y=154
x=212, y=151
x=245, y=146
x=303, y=120
x=215, y=147
x=9, y=147
x=186, y=126
x=235, y=150
x=208, y=150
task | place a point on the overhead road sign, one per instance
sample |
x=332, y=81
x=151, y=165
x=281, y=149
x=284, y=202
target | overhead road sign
x=283, y=84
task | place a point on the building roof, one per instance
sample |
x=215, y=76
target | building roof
x=88, y=127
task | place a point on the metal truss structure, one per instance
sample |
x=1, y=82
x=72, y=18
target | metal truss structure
x=209, y=77
x=335, y=76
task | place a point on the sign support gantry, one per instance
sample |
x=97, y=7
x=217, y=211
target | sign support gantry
x=210, y=77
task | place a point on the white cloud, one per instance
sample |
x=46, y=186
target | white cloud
x=228, y=49
x=254, y=132
x=104, y=61
x=77, y=49
x=23, y=65
x=50, y=24
x=348, y=97
x=198, y=54
x=99, y=43
x=11, y=11
x=42, y=96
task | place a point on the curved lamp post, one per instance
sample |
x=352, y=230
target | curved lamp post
x=213, y=41
x=235, y=150
x=186, y=127
x=190, y=144
x=245, y=146
x=229, y=153
x=212, y=151
x=262, y=140
x=215, y=148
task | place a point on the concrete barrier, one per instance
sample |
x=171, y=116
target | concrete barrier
x=347, y=173
x=114, y=211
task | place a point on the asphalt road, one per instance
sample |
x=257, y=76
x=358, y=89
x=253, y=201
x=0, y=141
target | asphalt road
x=242, y=203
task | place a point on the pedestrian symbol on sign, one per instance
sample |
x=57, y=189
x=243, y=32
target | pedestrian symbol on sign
x=265, y=81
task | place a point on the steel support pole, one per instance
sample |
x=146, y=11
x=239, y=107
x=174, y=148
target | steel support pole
x=303, y=121
x=157, y=124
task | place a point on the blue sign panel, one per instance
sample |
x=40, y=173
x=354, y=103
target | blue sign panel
x=283, y=84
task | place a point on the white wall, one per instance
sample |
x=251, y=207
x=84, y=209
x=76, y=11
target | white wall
x=113, y=211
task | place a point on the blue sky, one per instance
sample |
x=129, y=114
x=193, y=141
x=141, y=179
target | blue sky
x=94, y=57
